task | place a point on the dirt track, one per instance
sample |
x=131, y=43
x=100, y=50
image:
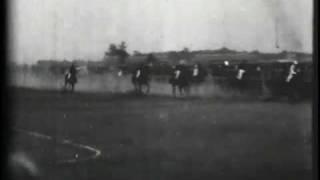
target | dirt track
x=159, y=137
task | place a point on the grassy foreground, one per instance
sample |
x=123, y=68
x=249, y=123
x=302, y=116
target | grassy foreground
x=154, y=137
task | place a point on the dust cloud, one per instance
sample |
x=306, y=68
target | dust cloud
x=109, y=83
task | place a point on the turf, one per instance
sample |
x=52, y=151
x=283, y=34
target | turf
x=160, y=137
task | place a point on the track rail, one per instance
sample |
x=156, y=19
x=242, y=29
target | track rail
x=96, y=152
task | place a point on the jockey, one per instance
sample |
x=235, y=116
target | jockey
x=138, y=72
x=141, y=71
x=73, y=69
x=292, y=81
x=73, y=72
x=198, y=73
x=241, y=71
x=177, y=72
x=141, y=78
x=292, y=71
x=195, y=71
x=225, y=69
x=226, y=63
x=179, y=69
x=120, y=73
x=67, y=74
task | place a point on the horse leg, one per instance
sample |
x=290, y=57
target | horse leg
x=135, y=85
x=187, y=89
x=174, y=90
x=148, y=88
x=65, y=86
x=139, y=88
x=192, y=89
x=293, y=93
x=197, y=88
x=181, y=89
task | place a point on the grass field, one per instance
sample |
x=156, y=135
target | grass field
x=160, y=137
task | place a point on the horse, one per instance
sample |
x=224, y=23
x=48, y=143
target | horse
x=199, y=75
x=181, y=79
x=283, y=82
x=140, y=79
x=293, y=85
x=69, y=81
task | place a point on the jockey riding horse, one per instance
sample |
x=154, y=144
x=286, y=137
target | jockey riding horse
x=70, y=78
x=141, y=78
x=292, y=81
x=241, y=76
x=198, y=75
x=181, y=78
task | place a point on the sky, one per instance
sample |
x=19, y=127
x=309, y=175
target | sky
x=83, y=29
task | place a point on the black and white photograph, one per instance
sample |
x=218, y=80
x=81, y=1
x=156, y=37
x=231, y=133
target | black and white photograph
x=161, y=89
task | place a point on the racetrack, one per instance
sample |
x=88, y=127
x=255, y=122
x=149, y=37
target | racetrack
x=160, y=137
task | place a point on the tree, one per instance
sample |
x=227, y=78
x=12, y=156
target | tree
x=122, y=52
x=123, y=46
x=151, y=58
x=173, y=56
x=255, y=52
x=112, y=50
x=185, y=49
x=119, y=52
x=284, y=54
x=137, y=53
x=185, y=54
x=122, y=55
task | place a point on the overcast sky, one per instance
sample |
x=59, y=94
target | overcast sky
x=68, y=29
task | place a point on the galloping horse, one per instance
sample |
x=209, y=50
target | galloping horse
x=181, y=78
x=293, y=81
x=69, y=81
x=70, y=78
x=198, y=75
x=141, y=78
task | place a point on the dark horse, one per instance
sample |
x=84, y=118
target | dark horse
x=141, y=78
x=70, y=78
x=181, y=79
x=294, y=82
x=69, y=81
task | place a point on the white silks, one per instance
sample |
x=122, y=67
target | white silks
x=177, y=74
x=68, y=75
x=240, y=74
x=138, y=73
x=120, y=73
x=292, y=72
x=195, y=72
